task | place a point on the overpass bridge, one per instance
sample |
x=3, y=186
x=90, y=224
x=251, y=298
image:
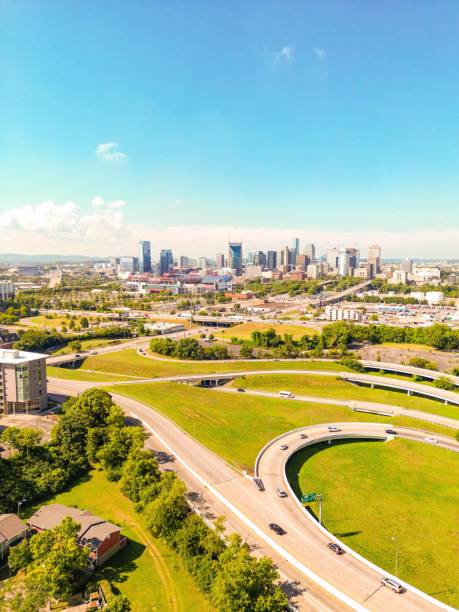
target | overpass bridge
x=333, y=298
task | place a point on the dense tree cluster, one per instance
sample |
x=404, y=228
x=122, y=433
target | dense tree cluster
x=187, y=348
x=224, y=569
x=90, y=429
x=40, y=340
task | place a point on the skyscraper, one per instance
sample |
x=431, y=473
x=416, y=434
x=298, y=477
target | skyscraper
x=374, y=260
x=144, y=256
x=343, y=261
x=166, y=261
x=220, y=260
x=235, y=257
x=295, y=250
x=271, y=260
x=310, y=251
x=407, y=266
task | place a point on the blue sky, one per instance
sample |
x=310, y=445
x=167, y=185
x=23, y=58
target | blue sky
x=328, y=117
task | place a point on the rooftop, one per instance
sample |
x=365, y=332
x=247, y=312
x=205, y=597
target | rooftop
x=15, y=357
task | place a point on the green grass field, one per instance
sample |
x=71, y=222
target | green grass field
x=129, y=363
x=236, y=426
x=409, y=347
x=330, y=387
x=88, y=345
x=380, y=496
x=68, y=374
x=148, y=572
x=244, y=330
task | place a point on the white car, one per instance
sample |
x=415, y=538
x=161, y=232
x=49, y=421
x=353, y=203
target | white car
x=334, y=428
x=431, y=440
x=284, y=446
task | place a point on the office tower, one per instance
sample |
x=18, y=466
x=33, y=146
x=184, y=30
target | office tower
x=343, y=261
x=310, y=251
x=144, y=256
x=250, y=258
x=259, y=259
x=332, y=258
x=295, y=249
x=166, y=261
x=220, y=260
x=354, y=258
x=202, y=263
x=235, y=257
x=302, y=261
x=374, y=260
x=271, y=260
x=407, y=266
x=288, y=259
x=184, y=262
x=128, y=264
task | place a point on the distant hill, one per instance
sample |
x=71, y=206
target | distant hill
x=17, y=258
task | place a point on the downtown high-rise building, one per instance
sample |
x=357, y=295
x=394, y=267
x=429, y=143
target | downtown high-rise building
x=144, y=256
x=166, y=261
x=310, y=252
x=374, y=260
x=295, y=250
x=271, y=260
x=220, y=260
x=235, y=257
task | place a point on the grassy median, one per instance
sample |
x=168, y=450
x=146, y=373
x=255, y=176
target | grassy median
x=129, y=363
x=380, y=497
x=331, y=387
x=243, y=331
x=236, y=426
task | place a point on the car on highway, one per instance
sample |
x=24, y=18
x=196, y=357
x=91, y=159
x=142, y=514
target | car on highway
x=303, y=436
x=336, y=548
x=334, y=428
x=431, y=440
x=392, y=584
x=277, y=528
x=391, y=432
x=241, y=390
x=284, y=446
x=281, y=492
x=287, y=394
x=258, y=483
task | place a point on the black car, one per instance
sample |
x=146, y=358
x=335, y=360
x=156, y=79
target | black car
x=241, y=390
x=391, y=432
x=336, y=548
x=277, y=528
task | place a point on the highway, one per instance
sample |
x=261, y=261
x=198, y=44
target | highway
x=327, y=582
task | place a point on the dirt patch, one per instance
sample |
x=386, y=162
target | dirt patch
x=445, y=361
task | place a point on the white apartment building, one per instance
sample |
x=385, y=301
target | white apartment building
x=342, y=314
x=22, y=381
x=6, y=290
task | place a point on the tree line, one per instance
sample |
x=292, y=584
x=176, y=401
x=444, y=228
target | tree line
x=188, y=348
x=92, y=430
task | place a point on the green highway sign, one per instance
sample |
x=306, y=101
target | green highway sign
x=309, y=497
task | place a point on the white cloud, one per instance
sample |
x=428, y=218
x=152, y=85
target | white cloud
x=109, y=151
x=47, y=223
x=98, y=202
x=51, y=227
x=320, y=53
x=284, y=55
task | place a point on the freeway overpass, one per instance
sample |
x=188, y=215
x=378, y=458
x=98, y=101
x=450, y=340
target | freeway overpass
x=332, y=298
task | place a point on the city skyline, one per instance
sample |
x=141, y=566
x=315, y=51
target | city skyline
x=262, y=119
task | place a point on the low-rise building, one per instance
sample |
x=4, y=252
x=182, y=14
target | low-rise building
x=12, y=531
x=342, y=314
x=22, y=381
x=101, y=537
x=158, y=329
